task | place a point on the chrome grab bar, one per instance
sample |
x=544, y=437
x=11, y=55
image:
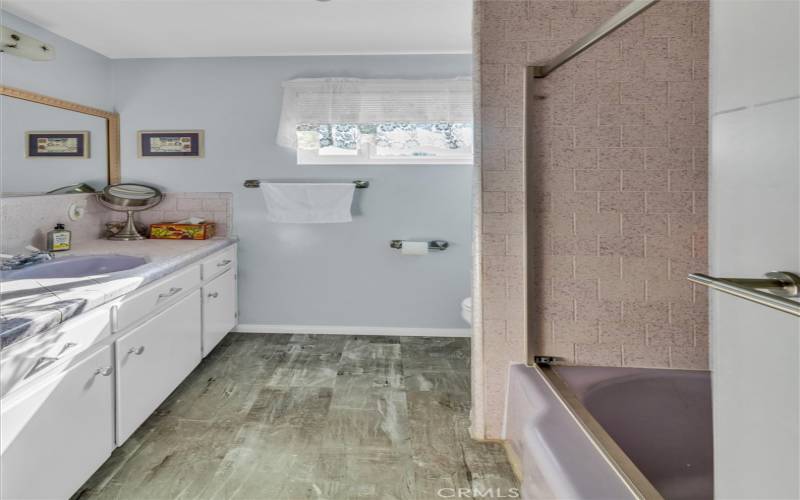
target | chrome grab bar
x=772, y=291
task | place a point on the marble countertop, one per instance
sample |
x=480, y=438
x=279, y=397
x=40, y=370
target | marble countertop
x=32, y=306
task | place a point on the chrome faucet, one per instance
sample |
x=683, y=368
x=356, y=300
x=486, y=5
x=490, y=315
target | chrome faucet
x=36, y=256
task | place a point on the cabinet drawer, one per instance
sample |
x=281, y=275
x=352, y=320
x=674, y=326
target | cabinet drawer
x=219, y=262
x=219, y=309
x=23, y=364
x=152, y=359
x=55, y=436
x=163, y=292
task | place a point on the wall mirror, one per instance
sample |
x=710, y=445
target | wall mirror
x=48, y=143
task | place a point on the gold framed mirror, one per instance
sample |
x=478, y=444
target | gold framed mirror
x=112, y=132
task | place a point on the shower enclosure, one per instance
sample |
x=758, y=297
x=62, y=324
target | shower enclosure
x=565, y=424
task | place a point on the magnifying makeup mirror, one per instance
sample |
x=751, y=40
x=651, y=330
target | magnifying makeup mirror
x=129, y=198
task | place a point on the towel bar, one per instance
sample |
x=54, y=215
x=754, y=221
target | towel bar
x=781, y=285
x=254, y=183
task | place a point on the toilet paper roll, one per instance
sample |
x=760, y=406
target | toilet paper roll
x=414, y=248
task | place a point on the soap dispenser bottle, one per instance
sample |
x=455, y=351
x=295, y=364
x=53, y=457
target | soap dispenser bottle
x=59, y=239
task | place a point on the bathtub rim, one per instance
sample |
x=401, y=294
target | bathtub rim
x=633, y=478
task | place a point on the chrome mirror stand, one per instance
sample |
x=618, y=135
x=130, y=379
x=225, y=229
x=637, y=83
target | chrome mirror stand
x=129, y=198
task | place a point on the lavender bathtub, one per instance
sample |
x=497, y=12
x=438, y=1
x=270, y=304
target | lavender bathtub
x=611, y=433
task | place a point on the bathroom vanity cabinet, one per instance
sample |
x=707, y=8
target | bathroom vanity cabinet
x=58, y=433
x=220, y=308
x=75, y=393
x=153, y=359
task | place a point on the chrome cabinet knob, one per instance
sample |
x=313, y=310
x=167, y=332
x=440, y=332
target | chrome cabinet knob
x=136, y=350
x=224, y=263
x=213, y=295
x=105, y=371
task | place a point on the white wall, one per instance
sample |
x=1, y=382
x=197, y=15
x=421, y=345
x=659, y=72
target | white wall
x=755, y=228
x=76, y=74
x=335, y=275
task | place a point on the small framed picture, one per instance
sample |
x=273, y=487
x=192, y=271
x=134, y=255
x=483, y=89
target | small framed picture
x=57, y=144
x=176, y=143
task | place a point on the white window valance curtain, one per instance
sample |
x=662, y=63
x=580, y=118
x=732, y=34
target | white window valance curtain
x=331, y=101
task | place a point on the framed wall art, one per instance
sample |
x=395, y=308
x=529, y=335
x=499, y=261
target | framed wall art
x=170, y=143
x=62, y=144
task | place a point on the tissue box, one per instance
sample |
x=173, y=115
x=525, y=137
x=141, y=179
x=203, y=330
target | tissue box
x=171, y=231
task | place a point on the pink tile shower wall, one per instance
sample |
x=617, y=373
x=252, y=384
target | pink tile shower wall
x=617, y=205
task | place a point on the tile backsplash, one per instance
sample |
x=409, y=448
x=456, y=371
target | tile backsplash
x=25, y=220
x=213, y=207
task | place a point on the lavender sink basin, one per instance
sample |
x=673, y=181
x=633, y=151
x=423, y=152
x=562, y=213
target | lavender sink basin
x=75, y=267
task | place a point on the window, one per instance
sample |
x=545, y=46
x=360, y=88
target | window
x=351, y=121
x=384, y=143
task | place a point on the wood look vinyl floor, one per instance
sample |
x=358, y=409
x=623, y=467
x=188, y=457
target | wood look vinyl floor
x=311, y=417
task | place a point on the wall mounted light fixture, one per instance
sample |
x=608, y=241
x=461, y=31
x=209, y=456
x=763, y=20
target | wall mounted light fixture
x=21, y=45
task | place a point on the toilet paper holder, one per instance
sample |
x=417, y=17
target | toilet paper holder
x=440, y=245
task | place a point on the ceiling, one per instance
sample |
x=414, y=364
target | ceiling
x=224, y=28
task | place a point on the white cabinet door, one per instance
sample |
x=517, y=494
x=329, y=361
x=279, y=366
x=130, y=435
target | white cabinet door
x=153, y=359
x=56, y=435
x=219, y=309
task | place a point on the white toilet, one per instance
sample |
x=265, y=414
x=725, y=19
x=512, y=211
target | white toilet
x=466, y=310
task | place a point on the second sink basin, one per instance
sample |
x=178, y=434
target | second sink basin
x=75, y=267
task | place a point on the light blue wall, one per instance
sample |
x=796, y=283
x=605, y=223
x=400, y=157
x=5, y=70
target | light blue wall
x=333, y=275
x=76, y=74
x=19, y=174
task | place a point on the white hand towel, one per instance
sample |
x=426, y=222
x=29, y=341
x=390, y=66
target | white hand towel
x=308, y=203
